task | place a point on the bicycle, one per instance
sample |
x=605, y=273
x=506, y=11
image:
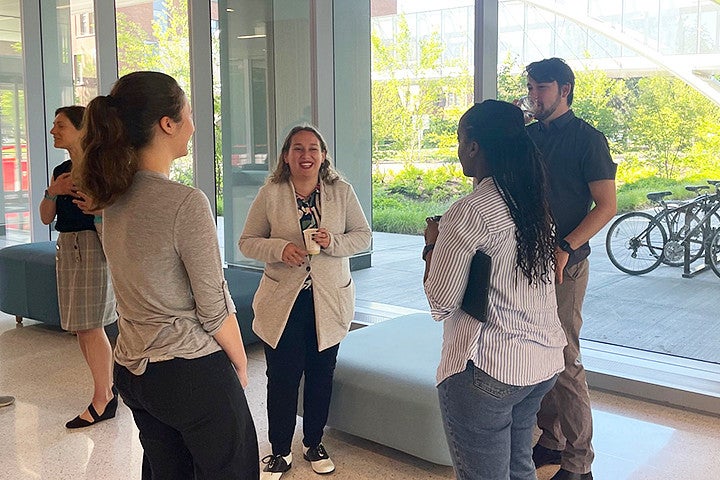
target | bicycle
x=638, y=242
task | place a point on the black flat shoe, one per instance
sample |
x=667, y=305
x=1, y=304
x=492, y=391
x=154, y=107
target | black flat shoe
x=109, y=413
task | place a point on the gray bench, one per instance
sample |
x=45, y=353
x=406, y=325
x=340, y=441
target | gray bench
x=384, y=388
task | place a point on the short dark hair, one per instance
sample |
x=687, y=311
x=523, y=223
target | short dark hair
x=74, y=113
x=553, y=70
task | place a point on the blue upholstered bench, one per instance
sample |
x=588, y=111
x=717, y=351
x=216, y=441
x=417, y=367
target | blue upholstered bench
x=384, y=388
x=28, y=286
x=242, y=284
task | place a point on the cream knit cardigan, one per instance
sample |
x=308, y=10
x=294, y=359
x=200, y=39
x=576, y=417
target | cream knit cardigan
x=271, y=224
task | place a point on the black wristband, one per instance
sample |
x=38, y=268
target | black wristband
x=565, y=246
x=427, y=249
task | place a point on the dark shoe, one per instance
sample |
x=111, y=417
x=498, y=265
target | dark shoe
x=563, y=474
x=545, y=456
x=109, y=413
x=275, y=466
x=319, y=459
x=6, y=400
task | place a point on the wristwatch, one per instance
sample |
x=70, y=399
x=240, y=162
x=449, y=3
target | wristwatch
x=565, y=246
x=52, y=198
x=427, y=249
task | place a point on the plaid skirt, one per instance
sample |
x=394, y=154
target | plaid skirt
x=85, y=291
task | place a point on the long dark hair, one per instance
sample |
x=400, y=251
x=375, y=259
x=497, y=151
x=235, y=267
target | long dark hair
x=513, y=160
x=117, y=126
x=74, y=113
x=281, y=174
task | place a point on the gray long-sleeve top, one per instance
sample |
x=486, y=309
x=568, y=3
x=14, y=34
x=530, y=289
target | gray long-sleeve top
x=160, y=242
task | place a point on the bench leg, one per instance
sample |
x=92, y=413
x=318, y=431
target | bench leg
x=18, y=319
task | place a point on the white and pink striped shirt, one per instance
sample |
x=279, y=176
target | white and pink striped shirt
x=522, y=341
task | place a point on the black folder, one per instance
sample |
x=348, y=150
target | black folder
x=475, y=300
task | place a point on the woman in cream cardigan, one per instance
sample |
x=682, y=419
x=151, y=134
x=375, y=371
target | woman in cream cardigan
x=305, y=303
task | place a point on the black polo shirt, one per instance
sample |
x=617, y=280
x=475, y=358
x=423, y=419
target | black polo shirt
x=575, y=154
x=69, y=216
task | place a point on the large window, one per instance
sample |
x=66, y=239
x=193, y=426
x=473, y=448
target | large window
x=14, y=202
x=662, y=129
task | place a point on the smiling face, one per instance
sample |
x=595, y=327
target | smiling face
x=64, y=133
x=551, y=99
x=305, y=155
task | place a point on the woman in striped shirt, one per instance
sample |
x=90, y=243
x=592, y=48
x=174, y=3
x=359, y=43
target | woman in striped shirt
x=493, y=375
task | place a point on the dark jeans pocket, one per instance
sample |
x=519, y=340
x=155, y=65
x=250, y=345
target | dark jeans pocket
x=484, y=382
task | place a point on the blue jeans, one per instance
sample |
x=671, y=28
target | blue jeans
x=489, y=425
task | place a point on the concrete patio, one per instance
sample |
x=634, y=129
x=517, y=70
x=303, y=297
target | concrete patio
x=659, y=312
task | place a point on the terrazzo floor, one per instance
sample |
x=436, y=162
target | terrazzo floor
x=43, y=368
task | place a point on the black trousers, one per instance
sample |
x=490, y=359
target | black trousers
x=297, y=353
x=193, y=418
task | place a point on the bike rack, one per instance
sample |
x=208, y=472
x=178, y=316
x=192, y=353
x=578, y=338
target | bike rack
x=689, y=272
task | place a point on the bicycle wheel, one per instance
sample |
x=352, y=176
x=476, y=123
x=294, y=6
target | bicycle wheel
x=714, y=251
x=634, y=243
x=680, y=223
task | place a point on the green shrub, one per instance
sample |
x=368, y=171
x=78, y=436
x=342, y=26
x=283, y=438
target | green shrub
x=402, y=201
x=443, y=183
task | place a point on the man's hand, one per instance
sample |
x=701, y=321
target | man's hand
x=561, y=260
x=293, y=255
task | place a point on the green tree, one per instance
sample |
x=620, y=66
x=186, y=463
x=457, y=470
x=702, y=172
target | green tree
x=510, y=84
x=405, y=95
x=603, y=102
x=667, y=120
x=134, y=45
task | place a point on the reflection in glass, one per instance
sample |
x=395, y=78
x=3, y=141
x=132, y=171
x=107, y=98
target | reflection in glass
x=261, y=50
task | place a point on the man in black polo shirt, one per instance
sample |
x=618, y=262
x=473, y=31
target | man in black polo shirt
x=581, y=172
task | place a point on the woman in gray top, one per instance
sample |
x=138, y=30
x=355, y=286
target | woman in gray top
x=180, y=364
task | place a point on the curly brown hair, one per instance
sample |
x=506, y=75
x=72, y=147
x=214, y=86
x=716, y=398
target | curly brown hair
x=281, y=174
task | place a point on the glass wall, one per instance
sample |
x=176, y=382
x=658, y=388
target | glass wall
x=69, y=62
x=624, y=98
x=262, y=52
x=14, y=203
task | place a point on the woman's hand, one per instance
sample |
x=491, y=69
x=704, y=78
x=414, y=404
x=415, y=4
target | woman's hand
x=322, y=237
x=293, y=255
x=86, y=204
x=431, y=229
x=62, y=185
x=242, y=375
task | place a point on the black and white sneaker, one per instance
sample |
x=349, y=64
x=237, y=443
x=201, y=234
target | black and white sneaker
x=275, y=466
x=319, y=459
